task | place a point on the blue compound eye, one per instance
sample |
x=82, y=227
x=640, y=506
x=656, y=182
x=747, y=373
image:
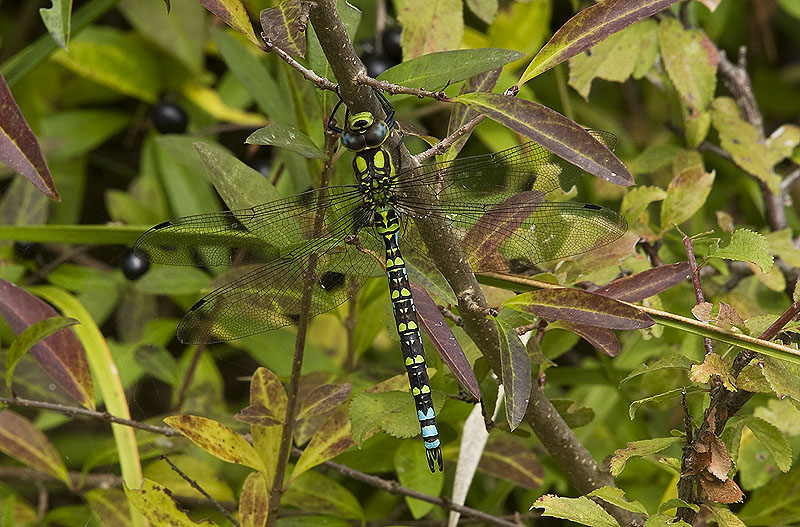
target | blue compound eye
x=352, y=141
x=377, y=134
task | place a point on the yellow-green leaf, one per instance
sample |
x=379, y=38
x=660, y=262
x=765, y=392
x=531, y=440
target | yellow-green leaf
x=216, y=439
x=20, y=439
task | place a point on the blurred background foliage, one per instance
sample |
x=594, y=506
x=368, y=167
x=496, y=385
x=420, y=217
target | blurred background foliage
x=116, y=115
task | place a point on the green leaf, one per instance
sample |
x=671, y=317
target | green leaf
x=391, y=412
x=747, y=246
x=556, y=133
x=155, y=503
x=516, y=374
x=573, y=414
x=216, y=439
x=782, y=377
x=589, y=27
x=521, y=25
x=486, y=10
x=412, y=472
x=781, y=245
x=690, y=60
x=57, y=20
x=616, y=496
x=239, y=185
x=642, y=448
x=771, y=437
x=667, y=360
x=687, y=191
x=713, y=366
x=433, y=70
x=30, y=337
x=71, y=133
x=636, y=200
x=429, y=26
x=615, y=58
x=254, y=77
x=776, y=503
x=20, y=439
x=580, y=510
x=664, y=520
x=659, y=398
x=163, y=280
x=322, y=495
x=288, y=137
x=674, y=503
x=724, y=517
x=748, y=148
x=233, y=13
x=117, y=60
x=182, y=33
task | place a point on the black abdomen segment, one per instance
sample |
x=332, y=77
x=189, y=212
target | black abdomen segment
x=405, y=315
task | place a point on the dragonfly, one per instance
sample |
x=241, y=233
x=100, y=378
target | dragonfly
x=324, y=242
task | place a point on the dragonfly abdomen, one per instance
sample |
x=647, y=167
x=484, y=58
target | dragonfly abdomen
x=387, y=225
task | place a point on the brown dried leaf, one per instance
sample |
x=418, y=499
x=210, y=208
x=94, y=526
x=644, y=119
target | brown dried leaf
x=721, y=491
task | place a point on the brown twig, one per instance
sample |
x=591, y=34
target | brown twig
x=100, y=416
x=698, y=288
x=394, y=487
x=201, y=490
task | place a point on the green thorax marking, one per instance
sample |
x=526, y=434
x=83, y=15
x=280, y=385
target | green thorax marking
x=365, y=135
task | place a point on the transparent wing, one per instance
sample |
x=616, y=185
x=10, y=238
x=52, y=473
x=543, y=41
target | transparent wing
x=270, y=296
x=256, y=235
x=492, y=177
x=494, y=203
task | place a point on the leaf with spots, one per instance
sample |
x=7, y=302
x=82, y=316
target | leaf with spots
x=285, y=25
x=155, y=503
x=216, y=439
x=580, y=510
x=254, y=501
x=329, y=441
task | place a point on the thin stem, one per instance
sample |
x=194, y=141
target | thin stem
x=78, y=410
x=309, y=279
x=394, y=487
x=698, y=288
x=201, y=490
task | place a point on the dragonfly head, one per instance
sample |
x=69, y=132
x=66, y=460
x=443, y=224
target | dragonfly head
x=364, y=131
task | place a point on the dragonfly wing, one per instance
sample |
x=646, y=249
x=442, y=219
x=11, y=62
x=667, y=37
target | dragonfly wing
x=256, y=235
x=270, y=296
x=524, y=230
x=498, y=175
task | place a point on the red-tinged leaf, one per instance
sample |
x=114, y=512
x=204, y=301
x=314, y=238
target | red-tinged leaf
x=216, y=439
x=329, y=441
x=25, y=443
x=563, y=137
x=233, y=13
x=155, y=503
x=495, y=227
x=19, y=148
x=601, y=338
x=508, y=458
x=324, y=398
x=516, y=368
x=647, y=283
x=589, y=27
x=60, y=355
x=285, y=25
x=254, y=501
x=461, y=114
x=574, y=305
x=259, y=415
x=435, y=326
